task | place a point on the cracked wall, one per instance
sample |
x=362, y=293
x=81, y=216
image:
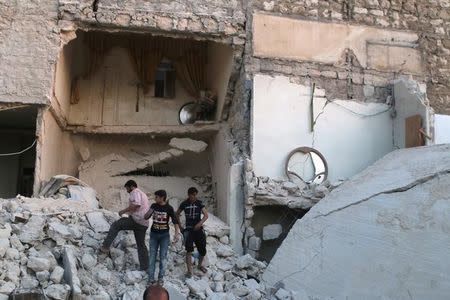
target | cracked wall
x=349, y=134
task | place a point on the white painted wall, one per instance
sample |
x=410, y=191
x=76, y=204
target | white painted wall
x=441, y=129
x=220, y=170
x=228, y=186
x=280, y=123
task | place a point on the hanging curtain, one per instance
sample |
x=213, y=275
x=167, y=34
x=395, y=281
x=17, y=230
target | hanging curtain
x=190, y=68
x=145, y=55
x=97, y=46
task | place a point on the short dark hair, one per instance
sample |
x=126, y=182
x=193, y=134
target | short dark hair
x=161, y=193
x=192, y=190
x=130, y=183
x=156, y=291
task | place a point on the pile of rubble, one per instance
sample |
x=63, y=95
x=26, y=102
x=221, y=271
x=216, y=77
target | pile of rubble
x=52, y=250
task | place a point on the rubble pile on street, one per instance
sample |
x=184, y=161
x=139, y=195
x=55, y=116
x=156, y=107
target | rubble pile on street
x=53, y=250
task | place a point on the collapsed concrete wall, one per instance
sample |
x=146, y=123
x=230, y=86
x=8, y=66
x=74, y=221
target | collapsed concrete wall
x=386, y=229
x=154, y=164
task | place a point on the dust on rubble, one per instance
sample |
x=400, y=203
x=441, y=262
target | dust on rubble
x=50, y=246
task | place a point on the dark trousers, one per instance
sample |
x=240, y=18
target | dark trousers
x=197, y=237
x=139, y=234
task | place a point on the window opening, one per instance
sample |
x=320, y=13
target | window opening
x=165, y=80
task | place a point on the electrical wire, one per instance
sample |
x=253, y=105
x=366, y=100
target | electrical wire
x=359, y=114
x=20, y=152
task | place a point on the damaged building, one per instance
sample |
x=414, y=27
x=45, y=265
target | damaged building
x=266, y=107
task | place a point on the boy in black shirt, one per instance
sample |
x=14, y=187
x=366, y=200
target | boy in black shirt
x=159, y=233
x=193, y=209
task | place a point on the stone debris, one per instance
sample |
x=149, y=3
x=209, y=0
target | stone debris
x=188, y=144
x=58, y=291
x=272, y=231
x=69, y=187
x=58, y=256
x=97, y=221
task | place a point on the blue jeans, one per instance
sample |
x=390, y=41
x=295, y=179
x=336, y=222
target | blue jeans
x=161, y=241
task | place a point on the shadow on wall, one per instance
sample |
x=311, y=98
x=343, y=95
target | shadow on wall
x=273, y=216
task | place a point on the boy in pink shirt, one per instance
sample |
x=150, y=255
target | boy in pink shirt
x=136, y=210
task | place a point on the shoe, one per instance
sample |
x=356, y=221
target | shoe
x=189, y=275
x=160, y=281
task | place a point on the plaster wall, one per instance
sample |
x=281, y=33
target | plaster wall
x=70, y=64
x=63, y=80
x=442, y=129
x=56, y=151
x=220, y=170
x=220, y=64
x=410, y=100
x=228, y=187
x=109, y=97
x=380, y=49
x=349, y=134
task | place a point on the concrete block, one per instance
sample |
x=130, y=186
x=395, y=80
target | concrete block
x=188, y=144
x=254, y=243
x=272, y=231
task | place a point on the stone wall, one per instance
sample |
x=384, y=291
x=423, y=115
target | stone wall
x=222, y=19
x=28, y=50
x=431, y=19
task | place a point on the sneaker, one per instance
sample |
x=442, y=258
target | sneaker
x=160, y=281
x=188, y=275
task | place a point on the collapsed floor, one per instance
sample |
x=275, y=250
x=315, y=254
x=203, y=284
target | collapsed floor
x=49, y=247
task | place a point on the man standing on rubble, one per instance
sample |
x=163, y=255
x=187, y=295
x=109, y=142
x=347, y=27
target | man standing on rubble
x=136, y=210
x=159, y=234
x=193, y=232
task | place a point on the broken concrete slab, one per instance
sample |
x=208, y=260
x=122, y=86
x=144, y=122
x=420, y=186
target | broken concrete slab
x=216, y=227
x=188, y=144
x=4, y=246
x=393, y=219
x=58, y=291
x=70, y=270
x=97, y=221
x=57, y=274
x=38, y=264
x=5, y=231
x=33, y=230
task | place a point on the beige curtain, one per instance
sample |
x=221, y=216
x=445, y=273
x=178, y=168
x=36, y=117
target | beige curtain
x=190, y=68
x=145, y=55
x=189, y=58
x=97, y=46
